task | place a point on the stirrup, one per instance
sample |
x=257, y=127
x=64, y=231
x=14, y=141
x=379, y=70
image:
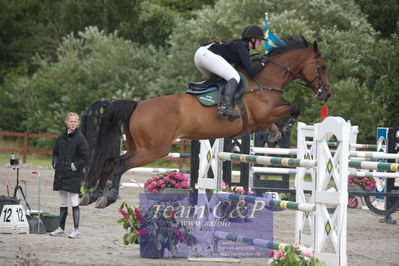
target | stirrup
x=224, y=110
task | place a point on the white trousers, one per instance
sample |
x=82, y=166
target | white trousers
x=209, y=63
x=73, y=198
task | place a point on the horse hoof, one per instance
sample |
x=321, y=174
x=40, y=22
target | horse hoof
x=84, y=200
x=273, y=133
x=112, y=196
x=101, y=203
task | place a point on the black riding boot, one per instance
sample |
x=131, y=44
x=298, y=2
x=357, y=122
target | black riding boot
x=226, y=108
x=63, y=216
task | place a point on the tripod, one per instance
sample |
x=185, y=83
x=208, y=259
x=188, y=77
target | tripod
x=18, y=187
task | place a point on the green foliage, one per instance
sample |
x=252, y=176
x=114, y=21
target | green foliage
x=89, y=67
x=382, y=14
x=143, y=49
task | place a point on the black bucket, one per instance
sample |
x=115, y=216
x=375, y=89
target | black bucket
x=8, y=201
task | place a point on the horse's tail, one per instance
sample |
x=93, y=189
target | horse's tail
x=108, y=138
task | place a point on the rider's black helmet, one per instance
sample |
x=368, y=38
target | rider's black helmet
x=252, y=31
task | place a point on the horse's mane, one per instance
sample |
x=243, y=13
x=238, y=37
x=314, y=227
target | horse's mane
x=291, y=43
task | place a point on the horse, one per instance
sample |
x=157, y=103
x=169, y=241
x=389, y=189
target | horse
x=152, y=125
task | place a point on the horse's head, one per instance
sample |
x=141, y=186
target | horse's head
x=315, y=75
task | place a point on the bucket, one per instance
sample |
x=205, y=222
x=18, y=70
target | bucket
x=50, y=221
x=8, y=201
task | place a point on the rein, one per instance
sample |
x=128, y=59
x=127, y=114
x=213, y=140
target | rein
x=308, y=83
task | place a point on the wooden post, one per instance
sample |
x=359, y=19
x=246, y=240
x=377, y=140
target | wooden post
x=26, y=143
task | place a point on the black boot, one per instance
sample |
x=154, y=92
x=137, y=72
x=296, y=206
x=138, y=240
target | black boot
x=226, y=108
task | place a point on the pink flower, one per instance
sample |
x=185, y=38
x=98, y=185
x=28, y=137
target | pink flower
x=163, y=186
x=153, y=178
x=184, y=184
x=155, y=191
x=365, y=179
x=160, y=182
x=166, y=178
x=181, y=176
x=153, y=185
x=225, y=185
x=142, y=232
x=239, y=190
x=271, y=254
x=172, y=213
x=295, y=245
x=173, y=182
x=139, y=216
x=125, y=215
x=145, y=185
x=279, y=254
x=308, y=252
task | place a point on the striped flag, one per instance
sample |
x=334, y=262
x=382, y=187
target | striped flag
x=271, y=40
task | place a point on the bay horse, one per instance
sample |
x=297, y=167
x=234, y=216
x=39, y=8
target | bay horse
x=152, y=125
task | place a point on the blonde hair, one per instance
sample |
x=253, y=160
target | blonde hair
x=72, y=114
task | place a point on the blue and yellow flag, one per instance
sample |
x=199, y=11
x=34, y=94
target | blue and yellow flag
x=271, y=40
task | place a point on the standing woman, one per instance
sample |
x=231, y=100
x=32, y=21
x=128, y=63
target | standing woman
x=70, y=155
x=215, y=58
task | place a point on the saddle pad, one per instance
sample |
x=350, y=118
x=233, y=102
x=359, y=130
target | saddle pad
x=210, y=98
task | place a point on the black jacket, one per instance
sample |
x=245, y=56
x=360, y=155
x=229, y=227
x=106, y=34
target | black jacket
x=69, y=148
x=237, y=52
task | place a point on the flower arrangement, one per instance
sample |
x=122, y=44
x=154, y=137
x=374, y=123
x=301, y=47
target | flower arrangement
x=153, y=226
x=295, y=256
x=236, y=190
x=171, y=179
x=368, y=183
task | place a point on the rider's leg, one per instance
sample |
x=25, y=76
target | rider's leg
x=226, y=108
x=209, y=63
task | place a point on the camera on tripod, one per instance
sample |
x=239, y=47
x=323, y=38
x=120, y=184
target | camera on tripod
x=14, y=162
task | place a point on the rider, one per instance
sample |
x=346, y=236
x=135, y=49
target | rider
x=216, y=57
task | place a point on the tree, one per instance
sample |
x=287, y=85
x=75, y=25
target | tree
x=382, y=14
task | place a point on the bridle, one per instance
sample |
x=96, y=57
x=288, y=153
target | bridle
x=308, y=83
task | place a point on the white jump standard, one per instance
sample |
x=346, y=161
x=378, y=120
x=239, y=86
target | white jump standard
x=323, y=164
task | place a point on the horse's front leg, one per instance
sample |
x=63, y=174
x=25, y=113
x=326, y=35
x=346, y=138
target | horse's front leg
x=280, y=127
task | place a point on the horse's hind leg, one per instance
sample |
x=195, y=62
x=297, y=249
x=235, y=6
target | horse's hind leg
x=282, y=127
x=98, y=191
x=109, y=194
x=121, y=165
x=289, y=123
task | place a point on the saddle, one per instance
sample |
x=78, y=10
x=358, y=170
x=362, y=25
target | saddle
x=209, y=92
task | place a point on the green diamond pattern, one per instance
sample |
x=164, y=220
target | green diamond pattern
x=307, y=214
x=328, y=228
x=208, y=156
x=329, y=166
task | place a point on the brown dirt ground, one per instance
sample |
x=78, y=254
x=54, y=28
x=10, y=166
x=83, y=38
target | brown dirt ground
x=368, y=241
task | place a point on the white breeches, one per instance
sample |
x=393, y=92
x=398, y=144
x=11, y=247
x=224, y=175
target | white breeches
x=73, y=198
x=209, y=63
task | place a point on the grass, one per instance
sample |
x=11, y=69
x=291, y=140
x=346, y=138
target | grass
x=33, y=159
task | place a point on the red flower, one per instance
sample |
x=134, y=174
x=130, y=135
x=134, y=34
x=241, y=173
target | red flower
x=125, y=215
x=139, y=216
